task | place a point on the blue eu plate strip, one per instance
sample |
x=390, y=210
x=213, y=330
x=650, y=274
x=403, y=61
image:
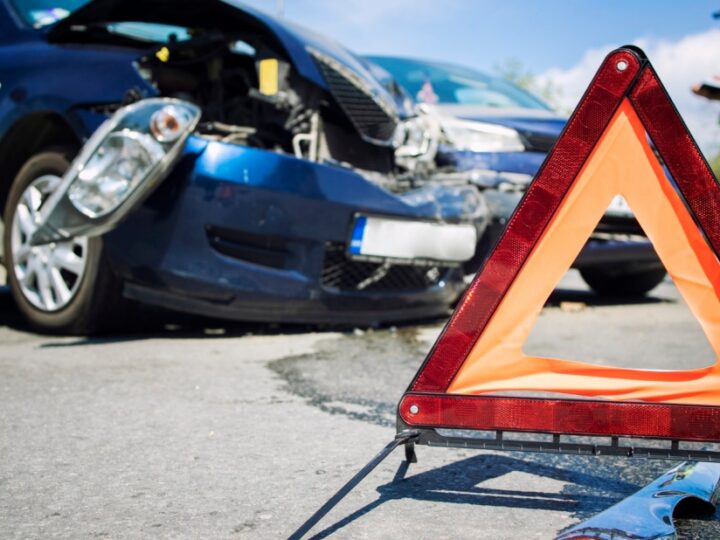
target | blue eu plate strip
x=357, y=235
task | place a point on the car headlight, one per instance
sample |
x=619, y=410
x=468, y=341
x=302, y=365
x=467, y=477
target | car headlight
x=419, y=139
x=481, y=137
x=117, y=168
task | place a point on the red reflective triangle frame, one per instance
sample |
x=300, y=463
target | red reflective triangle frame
x=625, y=74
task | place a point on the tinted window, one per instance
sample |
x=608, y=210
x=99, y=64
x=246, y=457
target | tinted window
x=435, y=82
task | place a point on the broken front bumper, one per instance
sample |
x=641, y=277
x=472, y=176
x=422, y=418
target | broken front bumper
x=248, y=234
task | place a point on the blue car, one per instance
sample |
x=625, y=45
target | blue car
x=205, y=157
x=499, y=134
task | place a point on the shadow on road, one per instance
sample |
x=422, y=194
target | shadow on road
x=9, y=315
x=458, y=483
x=153, y=322
x=149, y=323
x=591, y=299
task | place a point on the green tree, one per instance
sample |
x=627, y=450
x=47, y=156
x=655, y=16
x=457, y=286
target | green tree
x=715, y=164
x=515, y=71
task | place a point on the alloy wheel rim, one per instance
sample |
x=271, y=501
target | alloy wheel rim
x=48, y=276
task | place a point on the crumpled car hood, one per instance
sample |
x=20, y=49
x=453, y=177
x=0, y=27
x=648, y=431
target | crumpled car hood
x=224, y=15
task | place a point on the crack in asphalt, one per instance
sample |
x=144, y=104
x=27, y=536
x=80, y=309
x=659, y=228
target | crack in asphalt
x=362, y=394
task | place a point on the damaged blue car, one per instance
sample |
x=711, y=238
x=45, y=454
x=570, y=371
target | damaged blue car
x=499, y=135
x=208, y=158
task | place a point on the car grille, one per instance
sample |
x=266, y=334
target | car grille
x=538, y=142
x=373, y=119
x=342, y=273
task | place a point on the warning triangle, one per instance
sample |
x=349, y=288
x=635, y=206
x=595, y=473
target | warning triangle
x=609, y=147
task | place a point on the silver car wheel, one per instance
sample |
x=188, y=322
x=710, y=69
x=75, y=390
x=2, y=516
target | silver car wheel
x=48, y=276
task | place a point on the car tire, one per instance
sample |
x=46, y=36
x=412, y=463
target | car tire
x=621, y=283
x=87, y=303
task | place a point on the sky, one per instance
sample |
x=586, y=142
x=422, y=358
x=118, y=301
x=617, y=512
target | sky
x=560, y=41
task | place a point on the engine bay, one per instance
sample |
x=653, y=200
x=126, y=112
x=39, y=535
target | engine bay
x=250, y=95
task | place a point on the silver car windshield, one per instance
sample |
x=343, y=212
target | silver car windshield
x=442, y=83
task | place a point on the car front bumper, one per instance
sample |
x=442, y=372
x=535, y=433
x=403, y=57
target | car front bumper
x=636, y=254
x=248, y=234
x=607, y=249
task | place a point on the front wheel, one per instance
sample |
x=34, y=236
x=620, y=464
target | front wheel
x=62, y=287
x=622, y=283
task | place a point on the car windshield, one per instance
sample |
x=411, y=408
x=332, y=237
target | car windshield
x=439, y=83
x=39, y=13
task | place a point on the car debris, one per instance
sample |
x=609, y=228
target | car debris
x=572, y=307
x=648, y=514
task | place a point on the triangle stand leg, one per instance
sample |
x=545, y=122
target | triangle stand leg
x=405, y=438
x=410, y=455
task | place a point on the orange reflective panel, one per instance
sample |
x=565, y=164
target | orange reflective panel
x=621, y=163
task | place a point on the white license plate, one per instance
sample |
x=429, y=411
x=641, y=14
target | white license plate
x=619, y=207
x=405, y=239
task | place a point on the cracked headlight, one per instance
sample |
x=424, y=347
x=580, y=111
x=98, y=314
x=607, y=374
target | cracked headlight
x=119, y=166
x=481, y=137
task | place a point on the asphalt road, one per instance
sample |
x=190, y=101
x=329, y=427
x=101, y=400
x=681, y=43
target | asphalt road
x=199, y=429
